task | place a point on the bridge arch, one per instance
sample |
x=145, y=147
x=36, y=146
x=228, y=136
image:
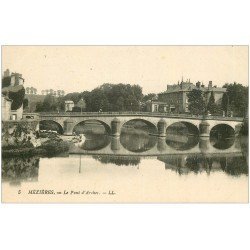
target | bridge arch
x=191, y=127
x=182, y=135
x=150, y=128
x=222, y=136
x=48, y=124
x=86, y=121
x=222, y=124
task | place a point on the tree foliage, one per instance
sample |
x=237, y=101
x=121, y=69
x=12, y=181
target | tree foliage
x=196, y=102
x=6, y=81
x=50, y=103
x=211, y=106
x=114, y=97
x=225, y=102
x=107, y=97
x=237, y=98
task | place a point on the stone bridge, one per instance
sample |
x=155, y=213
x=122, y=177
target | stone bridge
x=114, y=121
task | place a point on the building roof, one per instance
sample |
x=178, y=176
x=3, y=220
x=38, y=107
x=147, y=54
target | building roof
x=69, y=101
x=156, y=102
x=187, y=86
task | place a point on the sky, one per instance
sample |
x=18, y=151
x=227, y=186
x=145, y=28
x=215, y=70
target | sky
x=80, y=68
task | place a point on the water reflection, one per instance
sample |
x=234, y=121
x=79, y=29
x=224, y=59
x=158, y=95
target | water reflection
x=182, y=136
x=138, y=142
x=222, y=136
x=18, y=169
x=182, y=142
x=223, y=143
x=95, y=142
x=234, y=165
x=119, y=160
x=110, y=150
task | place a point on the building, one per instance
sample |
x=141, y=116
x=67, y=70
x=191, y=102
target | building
x=176, y=98
x=69, y=105
x=156, y=106
x=14, y=84
x=6, y=73
x=16, y=79
x=6, y=108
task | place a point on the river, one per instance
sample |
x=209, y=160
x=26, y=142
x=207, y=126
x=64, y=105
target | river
x=133, y=168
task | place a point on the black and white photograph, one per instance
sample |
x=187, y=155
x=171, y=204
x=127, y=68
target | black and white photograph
x=125, y=124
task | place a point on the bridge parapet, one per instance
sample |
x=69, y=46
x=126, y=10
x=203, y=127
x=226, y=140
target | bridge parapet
x=147, y=114
x=114, y=121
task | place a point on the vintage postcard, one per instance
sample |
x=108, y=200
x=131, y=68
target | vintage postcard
x=124, y=124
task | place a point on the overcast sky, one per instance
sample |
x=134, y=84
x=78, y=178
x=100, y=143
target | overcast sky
x=79, y=68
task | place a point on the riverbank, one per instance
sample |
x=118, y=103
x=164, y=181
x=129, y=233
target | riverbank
x=50, y=146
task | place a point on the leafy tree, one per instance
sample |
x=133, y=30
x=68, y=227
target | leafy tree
x=225, y=102
x=49, y=104
x=211, y=106
x=196, y=102
x=39, y=107
x=150, y=96
x=238, y=98
x=17, y=97
x=25, y=103
x=6, y=81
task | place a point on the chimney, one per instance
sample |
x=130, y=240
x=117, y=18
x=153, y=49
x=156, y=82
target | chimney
x=198, y=84
x=210, y=84
x=6, y=73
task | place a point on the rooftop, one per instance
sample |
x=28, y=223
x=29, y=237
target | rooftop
x=189, y=86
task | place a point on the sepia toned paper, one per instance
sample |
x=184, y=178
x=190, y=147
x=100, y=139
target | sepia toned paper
x=109, y=143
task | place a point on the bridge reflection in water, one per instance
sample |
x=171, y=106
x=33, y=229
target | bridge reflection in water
x=181, y=155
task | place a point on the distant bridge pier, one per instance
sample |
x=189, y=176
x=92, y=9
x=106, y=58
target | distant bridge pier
x=115, y=127
x=68, y=127
x=204, y=144
x=115, y=143
x=204, y=129
x=161, y=126
x=237, y=129
x=161, y=144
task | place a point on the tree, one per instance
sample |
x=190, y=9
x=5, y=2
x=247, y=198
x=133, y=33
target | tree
x=150, y=96
x=211, y=106
x=196, y=102
x=17, y=97
x=49, y=104
x=6, y=81
x=25, y=103
x=237, y=98
x=225, y=102
x=39, y=107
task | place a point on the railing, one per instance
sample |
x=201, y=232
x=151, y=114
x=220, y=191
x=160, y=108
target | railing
x=130, y=113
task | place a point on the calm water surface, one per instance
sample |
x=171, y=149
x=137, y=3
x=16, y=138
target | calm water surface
x=134, y=168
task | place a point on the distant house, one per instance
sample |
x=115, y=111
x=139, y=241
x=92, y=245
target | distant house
x=176, y=98
x=156, y=106
x=69, y=105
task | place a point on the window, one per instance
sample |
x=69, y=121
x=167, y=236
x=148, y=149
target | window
x=156, y=108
